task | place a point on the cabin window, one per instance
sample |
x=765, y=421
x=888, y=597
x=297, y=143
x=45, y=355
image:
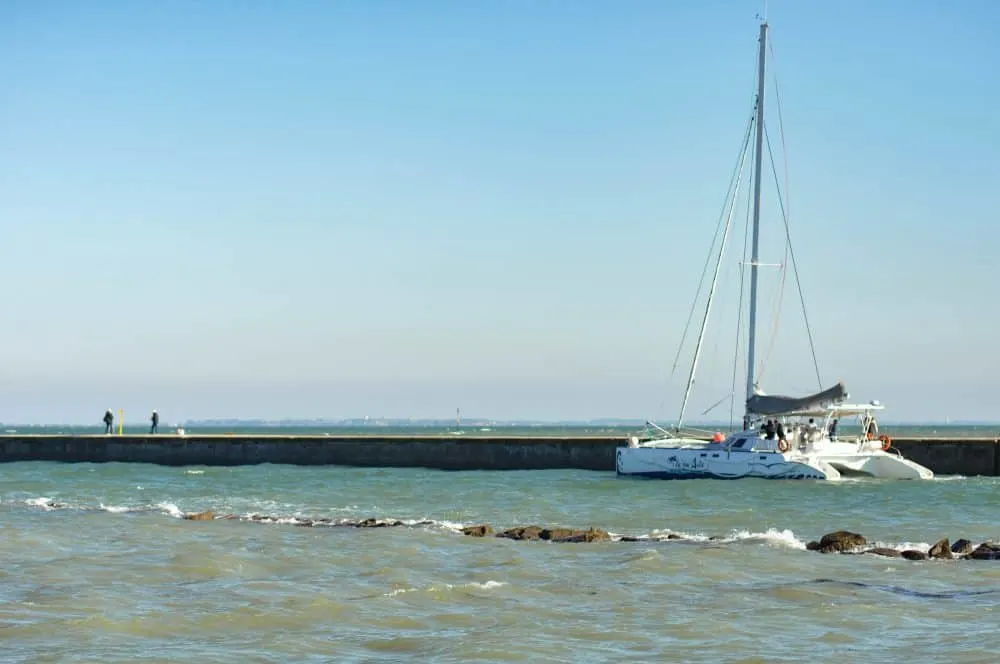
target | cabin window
x=739, y=442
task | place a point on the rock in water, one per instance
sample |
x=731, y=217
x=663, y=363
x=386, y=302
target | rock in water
x=914, y=555
x=478, y=531
x=200, y=516
x=883, y=551
x=591, y=535
x=526, y=533
x=961, y=547
x=986, y=551
x=375, y=523
x=840, y=541
x=941, y=550
x=557, y=533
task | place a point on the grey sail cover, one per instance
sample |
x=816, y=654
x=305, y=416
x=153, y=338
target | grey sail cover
x=767, y=404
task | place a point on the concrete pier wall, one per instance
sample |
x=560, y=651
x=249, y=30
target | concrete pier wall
x=943, y=456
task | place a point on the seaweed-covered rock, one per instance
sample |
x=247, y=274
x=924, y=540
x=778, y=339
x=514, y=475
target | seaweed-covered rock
x=478, y=531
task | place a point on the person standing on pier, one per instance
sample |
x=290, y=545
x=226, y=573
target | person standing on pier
x=109, y=421
x=155, y=420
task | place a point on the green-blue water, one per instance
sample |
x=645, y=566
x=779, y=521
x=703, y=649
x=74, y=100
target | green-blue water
x=112, y=574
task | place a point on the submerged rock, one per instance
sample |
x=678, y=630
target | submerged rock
x=911, y=554
x=377, y=523
x=522, y=533
x=589, y=535
x=478, y=531
x=986, y=551
x=962, y=547
x=941, y=550
x=885, y=551
x=200, y=516
x=838, y=542
x=556, y=534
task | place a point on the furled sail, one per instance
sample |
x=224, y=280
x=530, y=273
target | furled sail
x=768, y=404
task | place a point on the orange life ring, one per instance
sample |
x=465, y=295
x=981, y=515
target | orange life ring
x=886, y=443
x=783, y=445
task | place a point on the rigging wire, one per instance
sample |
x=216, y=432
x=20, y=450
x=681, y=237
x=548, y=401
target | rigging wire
x=739, y=309
x=729, y=208
x=795, y=269
x=711, y=250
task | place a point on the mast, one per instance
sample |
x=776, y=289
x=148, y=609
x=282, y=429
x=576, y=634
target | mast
x=755, y=255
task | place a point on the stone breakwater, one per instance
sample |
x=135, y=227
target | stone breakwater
x=495, y=451
x=842, y=541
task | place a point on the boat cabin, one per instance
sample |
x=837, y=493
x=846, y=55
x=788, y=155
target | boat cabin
x=807, y=426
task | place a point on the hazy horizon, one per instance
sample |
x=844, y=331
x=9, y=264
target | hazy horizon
x=277, y=210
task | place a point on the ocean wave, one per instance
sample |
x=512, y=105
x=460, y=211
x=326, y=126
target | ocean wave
x=485, y=585
x=780, y=538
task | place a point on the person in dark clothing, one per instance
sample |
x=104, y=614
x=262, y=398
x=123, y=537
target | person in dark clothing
x=109, y=421
x=833, y=430
x=769, y=430
x=155, y=420
x=781, y=431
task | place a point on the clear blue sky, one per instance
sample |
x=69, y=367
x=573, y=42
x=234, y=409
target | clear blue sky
x=265, y=209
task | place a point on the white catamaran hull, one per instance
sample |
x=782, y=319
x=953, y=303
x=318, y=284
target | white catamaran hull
x=674, y=463
x=715, y=462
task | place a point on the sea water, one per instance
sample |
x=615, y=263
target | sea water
x=99, y=566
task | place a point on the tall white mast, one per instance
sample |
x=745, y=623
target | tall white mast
x=754, y=257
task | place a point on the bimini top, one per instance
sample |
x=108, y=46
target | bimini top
x=767, y=404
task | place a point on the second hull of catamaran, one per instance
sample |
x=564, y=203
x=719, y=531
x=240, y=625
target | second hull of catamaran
x=746, y=455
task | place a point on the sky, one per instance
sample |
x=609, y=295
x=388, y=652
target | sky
x=340, y=209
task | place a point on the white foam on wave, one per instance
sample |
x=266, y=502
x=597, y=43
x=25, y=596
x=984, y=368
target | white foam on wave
x=453, y=526
x=171, y=510
x=485, y=585
x=900, y=546
x=194, y=472
x=116, y=509
x=670, y=535
x=45, y=503
x=771, y=536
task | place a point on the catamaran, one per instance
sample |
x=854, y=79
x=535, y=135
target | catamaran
x=783, y=437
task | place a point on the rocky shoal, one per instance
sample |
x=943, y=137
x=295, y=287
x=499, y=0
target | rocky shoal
x=841, y=541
